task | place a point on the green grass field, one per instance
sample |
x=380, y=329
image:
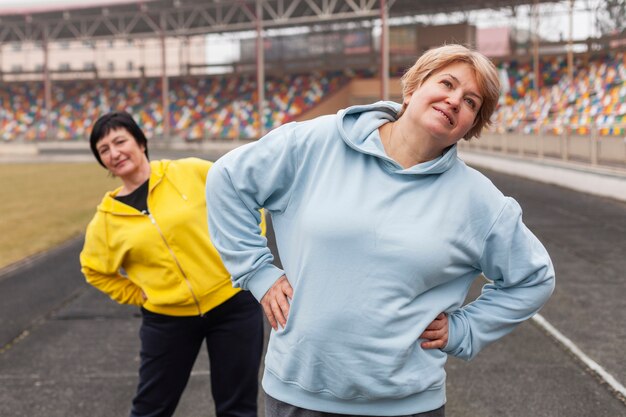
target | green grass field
x=42, y=205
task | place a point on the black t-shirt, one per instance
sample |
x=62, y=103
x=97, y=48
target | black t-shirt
x=137, y=199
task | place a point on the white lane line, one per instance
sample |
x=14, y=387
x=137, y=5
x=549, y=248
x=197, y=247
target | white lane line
x=571, y=347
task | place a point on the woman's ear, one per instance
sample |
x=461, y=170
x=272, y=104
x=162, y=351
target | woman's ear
x=406, y=99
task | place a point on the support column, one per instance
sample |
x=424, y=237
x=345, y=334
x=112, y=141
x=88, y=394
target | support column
x=47, y=87
x=535, y=16
x=570, y=46
x=165, y=88
x=260, y=67
x=384, y=51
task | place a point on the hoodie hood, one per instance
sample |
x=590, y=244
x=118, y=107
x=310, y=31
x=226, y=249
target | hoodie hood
x=109, y=204
x=358, y=127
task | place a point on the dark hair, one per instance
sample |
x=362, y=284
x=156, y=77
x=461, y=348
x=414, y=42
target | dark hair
x=113, y=121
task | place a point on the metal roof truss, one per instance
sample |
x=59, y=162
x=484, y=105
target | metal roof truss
x=191, y=17
x=178, y=18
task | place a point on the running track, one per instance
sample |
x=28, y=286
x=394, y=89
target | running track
x=66, y=350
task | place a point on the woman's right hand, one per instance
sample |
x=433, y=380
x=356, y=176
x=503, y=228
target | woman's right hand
x=436, y=333
x=275, y=302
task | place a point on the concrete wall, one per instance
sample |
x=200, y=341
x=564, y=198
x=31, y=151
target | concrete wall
x=359, y=91
x=590, y=149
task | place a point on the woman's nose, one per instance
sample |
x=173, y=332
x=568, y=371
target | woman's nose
x=455, y=101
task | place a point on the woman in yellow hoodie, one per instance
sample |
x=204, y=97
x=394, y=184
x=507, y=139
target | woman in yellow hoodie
x=148, y=245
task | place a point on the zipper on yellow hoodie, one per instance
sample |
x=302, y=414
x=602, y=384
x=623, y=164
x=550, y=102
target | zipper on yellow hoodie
x=180, y=268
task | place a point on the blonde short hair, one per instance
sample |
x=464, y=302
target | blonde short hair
x=485, y=72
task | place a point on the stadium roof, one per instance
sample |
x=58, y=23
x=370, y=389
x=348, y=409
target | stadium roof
x=152, y=18
x=24, y=7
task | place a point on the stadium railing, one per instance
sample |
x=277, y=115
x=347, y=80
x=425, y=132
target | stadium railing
x=592, y=149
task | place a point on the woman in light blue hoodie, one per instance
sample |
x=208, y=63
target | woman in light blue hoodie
x=381, y=230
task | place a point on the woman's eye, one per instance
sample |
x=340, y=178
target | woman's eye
x=471, y=103
x=446, y=83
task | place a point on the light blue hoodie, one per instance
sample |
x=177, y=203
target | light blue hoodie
x=374, y=253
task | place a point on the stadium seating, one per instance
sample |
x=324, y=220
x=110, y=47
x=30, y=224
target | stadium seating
x=595, y=100
x=224, y=106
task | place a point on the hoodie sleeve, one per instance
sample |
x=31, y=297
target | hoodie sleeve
x=258, y=175
x=202, y=168
x=103, y=274
x=522, y=280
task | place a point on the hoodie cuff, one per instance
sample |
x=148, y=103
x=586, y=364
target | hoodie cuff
x=263, y=279
x=454, y=338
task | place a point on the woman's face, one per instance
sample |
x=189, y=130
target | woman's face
x=120, y=153
x=445, y=106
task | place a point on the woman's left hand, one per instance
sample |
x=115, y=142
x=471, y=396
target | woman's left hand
x=436, y=333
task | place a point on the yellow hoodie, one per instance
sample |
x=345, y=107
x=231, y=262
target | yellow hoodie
x=167, y=253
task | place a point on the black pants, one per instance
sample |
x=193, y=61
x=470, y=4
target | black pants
x=169, y=346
